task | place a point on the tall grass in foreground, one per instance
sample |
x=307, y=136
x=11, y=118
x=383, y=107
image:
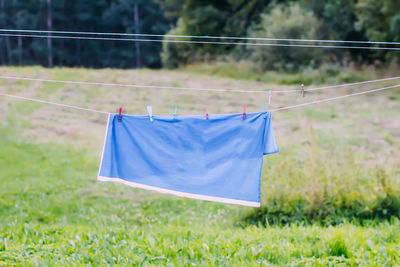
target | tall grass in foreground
x=328, y=195
x=322, y=190
x=53, y=212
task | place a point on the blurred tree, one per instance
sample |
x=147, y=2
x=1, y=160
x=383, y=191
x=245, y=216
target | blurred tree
x=209, y=18
x=120, y=15
x=81, y=15
x=292, y=22
x=336, y=19
x=174, y=54
x=6, y=19
x=338, y=23
x=381, y=22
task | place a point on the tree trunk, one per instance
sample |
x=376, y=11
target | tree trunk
x=49, y=40
x=2, y=59
x=19, y=39
x=8, y=48
x=20, y=50
x=7, y=39
x=137, y=30
x=60, y=59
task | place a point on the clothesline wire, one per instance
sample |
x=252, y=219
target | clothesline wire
x=350, y=84
x=272, y=110
x=144, y=86
x=200, y=42
x=194, y=88
x=334, y=98
x=54, y=103
x=198, y=36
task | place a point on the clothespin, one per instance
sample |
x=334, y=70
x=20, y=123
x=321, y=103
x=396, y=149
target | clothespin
x=244, y=111
x=120, y=116
x=264, y=111
x=302, y=90
x=269, y=98
x=207, y=113
x=175, y=112
x=149, y=110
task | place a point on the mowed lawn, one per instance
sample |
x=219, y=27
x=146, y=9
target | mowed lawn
x=341, y=155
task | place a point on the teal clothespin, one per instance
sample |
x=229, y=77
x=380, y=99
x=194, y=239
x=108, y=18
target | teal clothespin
x=150, y=113
x=264, y=111
x=175, y=112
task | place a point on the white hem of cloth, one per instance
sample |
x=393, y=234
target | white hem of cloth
x=181, y=194
x=104, y=144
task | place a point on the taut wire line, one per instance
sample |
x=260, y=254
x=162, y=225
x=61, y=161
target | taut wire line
x=272, y=110
x=334, y=98
x=54, y=103
x=193, y=88
x=143, y=86
x=200, y=42
x=198, y=37
x=351, y=84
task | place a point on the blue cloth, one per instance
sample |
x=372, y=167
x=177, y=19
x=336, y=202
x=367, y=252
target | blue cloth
x=217, y=159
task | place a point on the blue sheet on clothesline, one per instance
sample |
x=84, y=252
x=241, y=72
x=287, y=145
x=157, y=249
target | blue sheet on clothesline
x=217, y=159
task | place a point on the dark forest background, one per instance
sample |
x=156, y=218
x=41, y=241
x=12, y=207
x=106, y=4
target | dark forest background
x=365, y=20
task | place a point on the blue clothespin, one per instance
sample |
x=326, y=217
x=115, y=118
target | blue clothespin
x=264, y=111
x=175, y=112
x=150, y=113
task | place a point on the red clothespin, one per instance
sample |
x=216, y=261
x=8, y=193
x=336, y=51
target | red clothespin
x=244, y=111
x=120, y=111
x=207, y=113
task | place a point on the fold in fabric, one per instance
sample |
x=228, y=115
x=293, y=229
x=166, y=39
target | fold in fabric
x=217, y=159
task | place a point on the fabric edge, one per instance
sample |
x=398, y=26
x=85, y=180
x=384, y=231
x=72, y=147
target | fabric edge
x=104, y=144
x=273, y=152
x=181, y=194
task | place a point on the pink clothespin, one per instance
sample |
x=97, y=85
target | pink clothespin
x=120, y=111
x=244, y=111
x=207, y=113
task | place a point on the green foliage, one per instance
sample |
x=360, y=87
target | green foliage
x=174, y=54
x=329, y=195
x=338, y=248
x=379, y=19
x=208, y=18
x=381, y=22
x=338, y=23
x=291, y=22
x=337, y=18
x=316, y=19
x=227, y=17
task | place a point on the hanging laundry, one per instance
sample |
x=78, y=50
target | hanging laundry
x=217, y=159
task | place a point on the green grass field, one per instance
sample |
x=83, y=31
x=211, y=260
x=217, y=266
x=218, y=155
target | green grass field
x=330, y=197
